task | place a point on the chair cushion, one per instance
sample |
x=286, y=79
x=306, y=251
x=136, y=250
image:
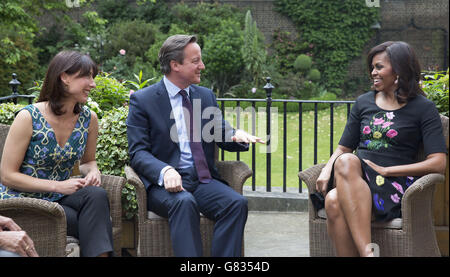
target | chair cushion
x=322, y=214
x=152, y=215
x=396, y=223
x=72, y=247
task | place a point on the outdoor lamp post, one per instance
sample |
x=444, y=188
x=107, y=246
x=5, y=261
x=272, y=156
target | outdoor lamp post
x=376, y=26
x=14, y=83
x=268, y=88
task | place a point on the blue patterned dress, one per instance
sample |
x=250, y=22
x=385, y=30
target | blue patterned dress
x=46, y=159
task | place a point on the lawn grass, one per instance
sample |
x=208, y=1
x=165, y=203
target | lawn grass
x=292, y=153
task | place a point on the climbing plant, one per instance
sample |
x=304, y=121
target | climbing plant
x=338, y=30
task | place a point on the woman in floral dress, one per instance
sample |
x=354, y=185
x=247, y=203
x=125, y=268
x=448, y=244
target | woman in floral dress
x=386, y=128
x=44, y=143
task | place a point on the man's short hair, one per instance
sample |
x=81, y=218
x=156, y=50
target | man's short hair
x=173, y=50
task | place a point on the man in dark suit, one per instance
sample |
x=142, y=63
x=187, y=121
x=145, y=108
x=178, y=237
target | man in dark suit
x=172, y=129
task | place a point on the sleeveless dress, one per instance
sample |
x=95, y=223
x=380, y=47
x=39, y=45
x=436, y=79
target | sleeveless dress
x=390, y=138
x=46, y=159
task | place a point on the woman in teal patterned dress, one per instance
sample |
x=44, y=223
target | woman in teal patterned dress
x=45, y=141
x=386, y=128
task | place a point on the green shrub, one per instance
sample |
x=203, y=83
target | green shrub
x=253, y=51
x=25, y=67
x=109, y=93
x=314, y=75
x=135, y=37
x=337, y=30
x=117, y=67
x=8, y=111
x=223, y=57
x=112, y=143
x=435, y=86
x=285, y=50
x=303, y=62
x=112, y=153
x=204, y=19
x=301, y=84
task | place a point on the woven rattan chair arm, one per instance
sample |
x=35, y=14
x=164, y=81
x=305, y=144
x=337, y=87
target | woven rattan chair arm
x=113, y=186
x=141, y=193
x=419, y=197
x=33, y=204
x=235, y=173
x=310, y=175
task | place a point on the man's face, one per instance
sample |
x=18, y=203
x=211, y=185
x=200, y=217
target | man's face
x=189, y=70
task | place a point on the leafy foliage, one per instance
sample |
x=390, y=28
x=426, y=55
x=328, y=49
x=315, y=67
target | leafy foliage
x=134, y=36
x=222, y=55
x=18, y=28
x=109, y=93
x=435, y=86
x=337, y=29
x=112, y=153
x=287, y=49
x=8, y=111
x=253, y=51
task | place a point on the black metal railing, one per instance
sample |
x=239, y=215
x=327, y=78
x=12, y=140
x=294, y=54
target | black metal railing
x=14, y=83
x=300, y=104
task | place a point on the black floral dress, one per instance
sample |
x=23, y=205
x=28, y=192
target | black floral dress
x=390, y=138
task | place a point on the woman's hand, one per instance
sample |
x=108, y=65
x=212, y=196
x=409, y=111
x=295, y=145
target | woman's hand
x=322, y=181
x=70, y=186
x=381, y=170
x=93, y=178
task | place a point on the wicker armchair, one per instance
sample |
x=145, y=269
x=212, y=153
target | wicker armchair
x=153, y=230
x=45, y=222
x=411, y=235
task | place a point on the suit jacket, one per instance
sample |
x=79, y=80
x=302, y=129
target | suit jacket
x=149, y=124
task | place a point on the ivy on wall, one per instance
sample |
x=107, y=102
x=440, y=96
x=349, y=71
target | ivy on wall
x=337, y=29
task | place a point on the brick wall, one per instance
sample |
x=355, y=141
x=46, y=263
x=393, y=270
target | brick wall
x=395, y=22
x=262, y=11
x=395, y=14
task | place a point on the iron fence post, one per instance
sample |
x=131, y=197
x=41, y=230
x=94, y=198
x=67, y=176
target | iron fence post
x=14, y=83
x=268, y=88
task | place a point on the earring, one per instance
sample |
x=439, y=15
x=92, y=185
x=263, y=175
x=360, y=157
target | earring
x=396, y=81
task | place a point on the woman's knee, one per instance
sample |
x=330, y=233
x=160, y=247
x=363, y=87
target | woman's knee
x=346, y=164
x=332, y=207
x=96, y=193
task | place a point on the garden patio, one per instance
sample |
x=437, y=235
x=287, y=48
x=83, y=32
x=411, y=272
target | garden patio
x=314, y=85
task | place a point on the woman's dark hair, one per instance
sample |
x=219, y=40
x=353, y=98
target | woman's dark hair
x=53, y=89
x=405, y=64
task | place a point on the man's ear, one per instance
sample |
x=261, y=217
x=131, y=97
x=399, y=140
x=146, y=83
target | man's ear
x=174, y=65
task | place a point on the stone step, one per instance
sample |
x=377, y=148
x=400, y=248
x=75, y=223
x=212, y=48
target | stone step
x=276, y=199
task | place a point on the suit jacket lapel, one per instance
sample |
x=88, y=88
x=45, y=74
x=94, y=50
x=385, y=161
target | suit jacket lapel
x=195, y=100
x=165, y=108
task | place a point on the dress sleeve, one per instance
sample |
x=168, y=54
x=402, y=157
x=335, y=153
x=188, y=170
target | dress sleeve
x=351, y=135
x=432, y=131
